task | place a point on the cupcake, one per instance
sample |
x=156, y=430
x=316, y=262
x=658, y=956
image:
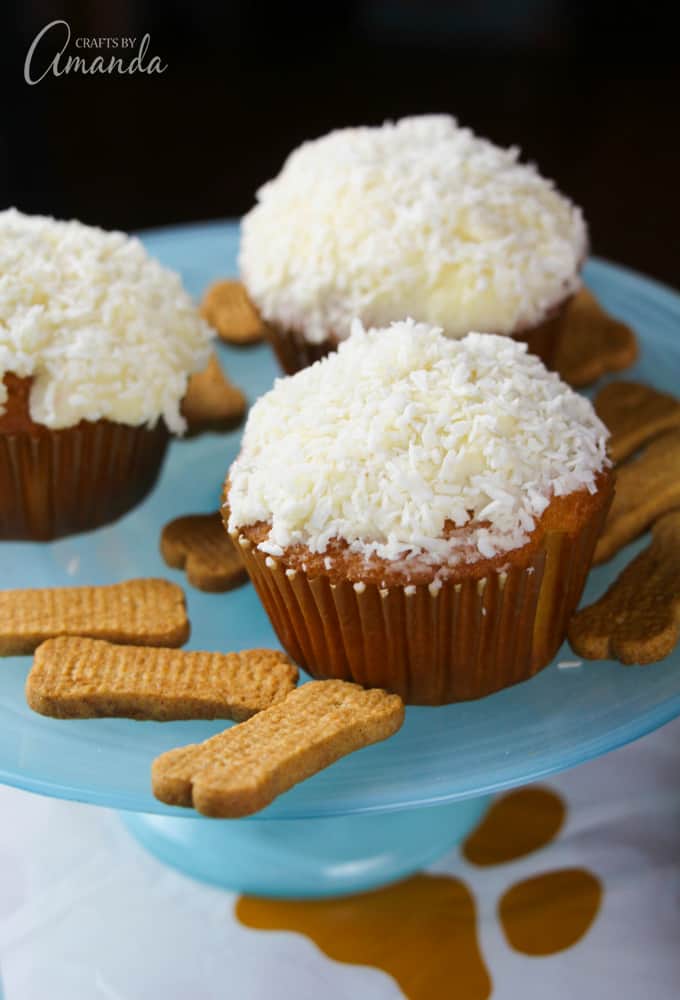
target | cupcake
x=416, y=218
x=419, y=513
x=97, y=342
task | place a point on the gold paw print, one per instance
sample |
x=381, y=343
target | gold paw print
x=423, y=931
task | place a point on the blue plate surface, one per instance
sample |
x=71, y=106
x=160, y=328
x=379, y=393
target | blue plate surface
x=562, y=717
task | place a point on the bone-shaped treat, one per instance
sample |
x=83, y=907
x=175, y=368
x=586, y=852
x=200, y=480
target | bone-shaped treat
x=199, y=544
x=646, y=488
x=75, y=678
x=635, y=414
x=147, y=612
x=244, y=768
x=638, y=618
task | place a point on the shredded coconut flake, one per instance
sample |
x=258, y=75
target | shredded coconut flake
x=403, y=430
x=104, y=330
x=417, y=218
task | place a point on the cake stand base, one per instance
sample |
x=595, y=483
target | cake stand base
x=307, y=858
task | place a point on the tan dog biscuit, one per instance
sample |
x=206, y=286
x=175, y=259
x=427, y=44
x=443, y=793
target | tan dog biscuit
x=635, y=414
x=75, y=678
x=646, y=488
x=592, y=342
x=228, y=308
x=147, y=612
x=199, y=544
x=243, y=769
x=638, y=619
x=212, y=402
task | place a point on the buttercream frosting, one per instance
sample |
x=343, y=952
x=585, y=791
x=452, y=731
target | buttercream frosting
x=101, y=327
x=404, y=437
x=416, y=218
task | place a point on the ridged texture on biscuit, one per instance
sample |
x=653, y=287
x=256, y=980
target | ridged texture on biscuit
x=638, y=619
x=74, y=678
x=242, y=770
x=199, y=544
x=148, y=612
x=646, y=488
x=635, y=414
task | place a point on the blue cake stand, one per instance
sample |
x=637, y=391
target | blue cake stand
x=381, y=813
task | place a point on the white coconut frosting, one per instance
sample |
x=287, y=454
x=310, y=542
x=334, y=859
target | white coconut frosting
x=417, y=218
x=403, y=430
x=102, y=328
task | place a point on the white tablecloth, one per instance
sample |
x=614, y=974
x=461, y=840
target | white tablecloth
x=85, y=913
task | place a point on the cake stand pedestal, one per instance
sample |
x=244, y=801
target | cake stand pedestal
x=311, y=857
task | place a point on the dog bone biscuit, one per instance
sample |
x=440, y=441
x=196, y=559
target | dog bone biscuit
x=242, y=770
x=638, y=618
x=73, y=678
x=635, y=414
x=212, y=402
x=227, y=307
x=592, y=342
x=646, y=488
x=199, y=544
x=146, y=611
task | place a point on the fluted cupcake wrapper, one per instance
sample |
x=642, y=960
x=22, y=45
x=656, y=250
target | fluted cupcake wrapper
x=544, y=339
x=294, y=352
x=431, y=646
x=55, y=483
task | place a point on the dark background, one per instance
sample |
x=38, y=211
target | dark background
x=590, y=91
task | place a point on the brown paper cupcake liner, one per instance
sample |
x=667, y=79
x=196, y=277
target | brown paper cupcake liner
x=462, y=641
x=55, y=483
x=294, y=352
x=544, y=339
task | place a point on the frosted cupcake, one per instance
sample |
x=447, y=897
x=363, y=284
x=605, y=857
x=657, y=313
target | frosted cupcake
x=419, y=218
x=97, y=342
x=419, y=513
